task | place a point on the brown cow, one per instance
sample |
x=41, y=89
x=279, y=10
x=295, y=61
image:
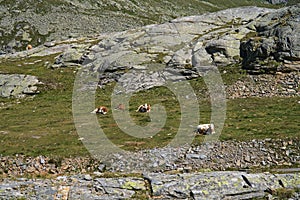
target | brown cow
x=101, y=110
x=144, y=108
x=120, y=107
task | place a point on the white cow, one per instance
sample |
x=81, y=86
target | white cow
x=205, y=129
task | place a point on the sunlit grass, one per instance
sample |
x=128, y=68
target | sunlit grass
x=44, y=125
x=262, y=118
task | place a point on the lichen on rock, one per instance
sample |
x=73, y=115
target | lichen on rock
x=18, y=85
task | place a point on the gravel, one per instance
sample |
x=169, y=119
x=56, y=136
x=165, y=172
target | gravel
x=214, y=156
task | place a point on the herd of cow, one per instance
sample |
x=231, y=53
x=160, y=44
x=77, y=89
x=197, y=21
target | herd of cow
x=103, y=110
x=204, y=129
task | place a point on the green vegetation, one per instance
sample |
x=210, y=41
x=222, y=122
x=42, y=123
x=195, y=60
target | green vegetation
x=40, y=125
x=285, y=193
x=262, y=117
x=292, y=2
x=281, y=193
x=43, y=125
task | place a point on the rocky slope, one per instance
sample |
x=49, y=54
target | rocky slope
x=185, y=48
x=188, y=47
x=167, y=173
x=28, y=21
x=265, y=41
x=204, y=185
x=275, y=44
x=216, y=156
x=18, y=85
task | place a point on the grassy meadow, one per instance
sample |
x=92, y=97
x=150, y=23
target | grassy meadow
x=43, y=124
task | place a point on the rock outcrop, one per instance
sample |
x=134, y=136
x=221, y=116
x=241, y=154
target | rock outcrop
x=216, y=185
x=18, y=85
x=262, y=40
x=181, y=49
x=161, y=173
x=274, y=45
x=266, y=41
x=36, y=22
x=205, y=185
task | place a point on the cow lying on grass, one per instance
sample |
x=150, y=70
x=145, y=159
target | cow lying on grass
x=205, y=129
x=120, y=107
x=100, y=110
x=144, y=108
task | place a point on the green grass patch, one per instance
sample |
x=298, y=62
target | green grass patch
x=44, y=125
x=285, y=193
x=258, y=118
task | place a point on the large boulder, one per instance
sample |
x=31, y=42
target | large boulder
x=70, y=57
x=18, y=85
x=276, y=42
x=225, y=49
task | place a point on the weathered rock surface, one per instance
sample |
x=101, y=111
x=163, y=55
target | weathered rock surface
x=205, y=185
x=181, y=49
x=216, y=185
x=18, y=85
x=165, y=173
x=265, y=40
x=275, y=46
x=72, y=187
x=37, y=22
x=185, y=48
